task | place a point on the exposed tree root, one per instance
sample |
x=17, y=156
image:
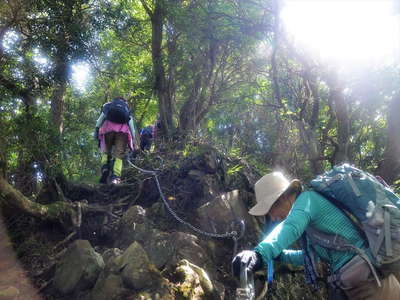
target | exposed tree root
x=64, y=241
x=69, y=214
x=56, y=212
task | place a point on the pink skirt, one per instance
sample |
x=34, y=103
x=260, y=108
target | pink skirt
x=109, y=126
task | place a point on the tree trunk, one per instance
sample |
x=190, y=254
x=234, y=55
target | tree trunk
x=57, y=99
x=160, y=87
x=57, y=107
x=187, y=114
x=203, y=93
x=389, y=168
x=308, y=124
x=336, y=98
x=278, y=160
x=275, y=49
x=311, y=144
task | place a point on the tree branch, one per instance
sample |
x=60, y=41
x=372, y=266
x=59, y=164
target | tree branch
x=147, y=8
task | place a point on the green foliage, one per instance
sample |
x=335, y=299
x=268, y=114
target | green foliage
x=234, y=169
x=79, y=155
x=396, y=186
x=218, y=74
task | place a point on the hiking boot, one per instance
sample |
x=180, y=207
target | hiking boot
x=115, y=179
x=105, y=171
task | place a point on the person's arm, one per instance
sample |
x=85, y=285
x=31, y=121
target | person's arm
x=100, y=120
x=133, y=131
x=287, y=232
x=292, y=257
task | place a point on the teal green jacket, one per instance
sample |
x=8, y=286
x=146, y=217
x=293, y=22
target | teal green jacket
x=310, y=209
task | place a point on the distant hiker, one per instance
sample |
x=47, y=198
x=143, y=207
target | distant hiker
x=115, y=131
x=303, y=215
x=147, y=135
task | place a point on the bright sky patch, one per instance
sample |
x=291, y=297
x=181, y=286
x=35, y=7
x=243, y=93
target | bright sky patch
x=80, y=75
x=346, y=31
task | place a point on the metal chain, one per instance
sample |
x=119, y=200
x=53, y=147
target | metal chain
x=233, y=234
x=238, y=237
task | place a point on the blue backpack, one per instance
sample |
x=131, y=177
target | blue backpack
x=147, y=132
x=371, y=205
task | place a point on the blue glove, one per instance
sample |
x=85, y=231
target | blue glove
x=250, y=259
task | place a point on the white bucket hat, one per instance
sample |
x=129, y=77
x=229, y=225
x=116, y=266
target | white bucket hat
x=268, y=189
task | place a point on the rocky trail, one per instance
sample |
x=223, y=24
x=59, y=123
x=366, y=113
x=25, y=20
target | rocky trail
x=135, y=242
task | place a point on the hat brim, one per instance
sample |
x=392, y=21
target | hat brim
x=263, y=207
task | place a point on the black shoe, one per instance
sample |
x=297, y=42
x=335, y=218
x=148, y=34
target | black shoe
x=105, y=171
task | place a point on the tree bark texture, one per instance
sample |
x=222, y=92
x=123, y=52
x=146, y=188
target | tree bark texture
x=389, y=168
x=203, y=93
x=161, y=89
x=308, y=122
x=278, y=160
x=60, y=86
x=337, y=99
x=57, y=106
x=312, y=147
x=275, y=49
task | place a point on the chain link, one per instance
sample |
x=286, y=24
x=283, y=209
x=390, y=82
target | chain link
x=233, y=234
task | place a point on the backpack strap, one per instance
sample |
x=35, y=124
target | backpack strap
x=388, y=235
x=386, y=232
x=378, y=243
x=339, y=243
x=310, y=268
x=354, y=187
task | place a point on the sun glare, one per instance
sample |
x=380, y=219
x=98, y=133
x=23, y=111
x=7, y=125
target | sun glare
x=345, y=31
x=80, y=75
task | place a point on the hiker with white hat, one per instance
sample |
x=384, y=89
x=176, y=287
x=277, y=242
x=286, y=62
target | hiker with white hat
x=299, y=210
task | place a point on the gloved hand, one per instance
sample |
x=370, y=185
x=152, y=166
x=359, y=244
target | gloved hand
x=251, y=259
x=96, y=134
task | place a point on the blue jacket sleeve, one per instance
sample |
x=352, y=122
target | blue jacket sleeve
x=287, y=232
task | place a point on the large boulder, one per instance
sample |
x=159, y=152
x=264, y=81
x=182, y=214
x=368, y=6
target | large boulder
x=78, y=269
x=159, y=248
x=133, y=226
x=110, y=254
x=109, y=287
x=223, y=213
x=127, y=274
x=162, y=248
x=187, y=246
x=206, y=160
x=162, y=290
x=136, y=270
x=194, y=282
